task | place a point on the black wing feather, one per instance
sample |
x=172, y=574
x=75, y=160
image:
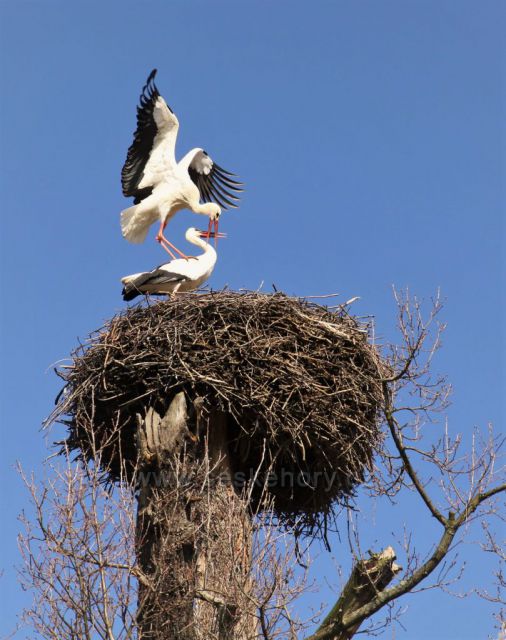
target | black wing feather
x=220, y=194
x=216, y=186
x=203, y=186
x=138, y=153
x=133, y=289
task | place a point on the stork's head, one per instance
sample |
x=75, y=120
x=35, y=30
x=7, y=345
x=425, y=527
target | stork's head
x=212, y=210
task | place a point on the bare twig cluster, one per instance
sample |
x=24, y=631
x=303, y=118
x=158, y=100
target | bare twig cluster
x=454, y=482
x=78, y=552
x=215, y=573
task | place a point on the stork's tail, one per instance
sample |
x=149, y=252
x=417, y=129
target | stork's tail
x=134, y=227
x=130, y=291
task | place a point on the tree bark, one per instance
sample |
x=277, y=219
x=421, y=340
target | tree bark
x=193, y=530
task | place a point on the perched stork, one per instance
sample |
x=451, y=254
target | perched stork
x=161, y=186
x=176, y=275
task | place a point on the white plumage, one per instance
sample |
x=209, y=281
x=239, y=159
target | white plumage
x=177, y=275
x=160, y=185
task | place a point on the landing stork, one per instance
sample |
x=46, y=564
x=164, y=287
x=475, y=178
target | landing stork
x=159, y=184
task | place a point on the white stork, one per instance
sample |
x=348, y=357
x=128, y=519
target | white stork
x=176, y=275
x=161, y=186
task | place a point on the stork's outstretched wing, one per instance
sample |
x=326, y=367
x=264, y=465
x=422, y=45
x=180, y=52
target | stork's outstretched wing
x=214, y=183
x=151, y=155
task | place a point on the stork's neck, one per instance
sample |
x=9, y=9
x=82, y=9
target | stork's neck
x=203, y=208
x=205, y=246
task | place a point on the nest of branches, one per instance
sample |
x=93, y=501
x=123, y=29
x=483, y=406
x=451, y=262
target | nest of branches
x=299, y=384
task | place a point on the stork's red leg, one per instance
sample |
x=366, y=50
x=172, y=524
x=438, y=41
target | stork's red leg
x=164, y=246
x=168, y=245
x=216, y=232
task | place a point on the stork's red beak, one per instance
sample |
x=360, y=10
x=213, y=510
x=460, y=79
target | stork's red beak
x=212, y=234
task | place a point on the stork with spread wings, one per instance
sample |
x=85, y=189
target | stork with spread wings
x=159, y=184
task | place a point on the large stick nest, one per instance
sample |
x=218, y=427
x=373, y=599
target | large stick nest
x=300, y=385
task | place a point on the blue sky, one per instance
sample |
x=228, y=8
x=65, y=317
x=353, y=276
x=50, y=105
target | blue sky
x=371, y=139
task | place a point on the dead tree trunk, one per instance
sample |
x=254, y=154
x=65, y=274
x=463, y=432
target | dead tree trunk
x=193, y=530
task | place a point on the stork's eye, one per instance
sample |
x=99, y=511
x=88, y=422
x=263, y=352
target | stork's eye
x=204, y=152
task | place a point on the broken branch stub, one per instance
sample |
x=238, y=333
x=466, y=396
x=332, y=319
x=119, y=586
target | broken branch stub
x=368, y=578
